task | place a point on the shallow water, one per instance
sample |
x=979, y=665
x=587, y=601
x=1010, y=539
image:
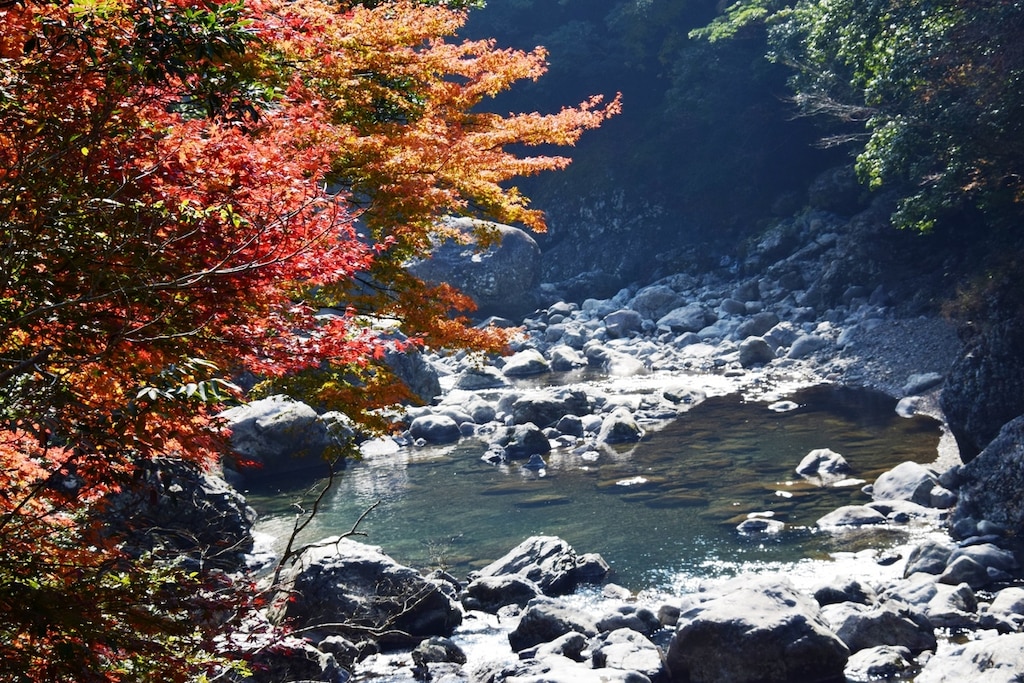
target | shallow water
x=660, y=512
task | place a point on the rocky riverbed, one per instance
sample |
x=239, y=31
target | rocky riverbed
x=603, y=372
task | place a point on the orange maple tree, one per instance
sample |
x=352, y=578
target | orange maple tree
x=183, y=185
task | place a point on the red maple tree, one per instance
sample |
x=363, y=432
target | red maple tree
x=183, y=184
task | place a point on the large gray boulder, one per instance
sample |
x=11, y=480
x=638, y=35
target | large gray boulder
x=627, y=650
x=863, y=626
x=764, y=633
x=174, y=507
x=655, y=301
x=690, y=318
x=991, y=484
x=438, y=429
x=501, y=278
x=544, y=620
x=823, y=466
x=990, y=660
x=907, y=481
x=279, y=435
x=550, y=563
x=521, y=441
x=343, y=587
x=985, y=387
x=548, y=407
x=620, y=426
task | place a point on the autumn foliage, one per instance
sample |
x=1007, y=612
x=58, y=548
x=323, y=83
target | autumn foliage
x=183, y=186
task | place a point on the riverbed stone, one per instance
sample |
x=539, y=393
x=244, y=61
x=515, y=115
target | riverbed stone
x=526, y=363
x=546, y=408
x=544, y=620
x=849, y=516
x=552, y=669
x=757, y=325
x=438, y=429
x=907, y=481
x=477, y=378
x=491, y=593
x=847, y=589
x=549, y=562
x=521, y=441
x=823, y=466
x=805, y=345
x=342, y=587
x=564, y=358
x=628, y=650
x=619, y=426
x=929, y=556
x=880, y=663
x=755, y=351
x=766, y=632
x=990, y=660
x=689, y=318
x=278, y=435
x=622, y=323
x=654, y=301
x=865, y=626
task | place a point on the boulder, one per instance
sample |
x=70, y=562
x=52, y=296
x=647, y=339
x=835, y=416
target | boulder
x=655, y=301
x=553, y=668
x=491, y=593
x=929, y=557
x=619, y=426
x=550, y=563
x=991, y=483
x=500, y=278
x=174, y=506
x=278, y=436
x=823, y=466
x=757, y=325
x=415, y=372
x=622, y=323
x=847, y=590
x=863, y=626
x=630, y=617
x=564, y=358
x=521, y=441
x=907, y=481
x=764, y=633
x=690, y=318
x=526, y=363
x=476, y=378
x=881, y=663
x=544, y=620
x=755, y=351
x=438, y=649
x=805, y=345
x=547, y=408
x=851, y=516
x=984, y=388
x=990, y=660
x=341, y=587
x=627, y=650
x=437, y=429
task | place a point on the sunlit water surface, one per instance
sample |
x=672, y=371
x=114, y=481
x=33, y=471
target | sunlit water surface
x=662, y=512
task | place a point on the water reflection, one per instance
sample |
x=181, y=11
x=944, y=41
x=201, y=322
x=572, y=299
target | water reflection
x=658, y=510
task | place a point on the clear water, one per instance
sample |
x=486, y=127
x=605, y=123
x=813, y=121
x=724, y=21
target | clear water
x=657, y=511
